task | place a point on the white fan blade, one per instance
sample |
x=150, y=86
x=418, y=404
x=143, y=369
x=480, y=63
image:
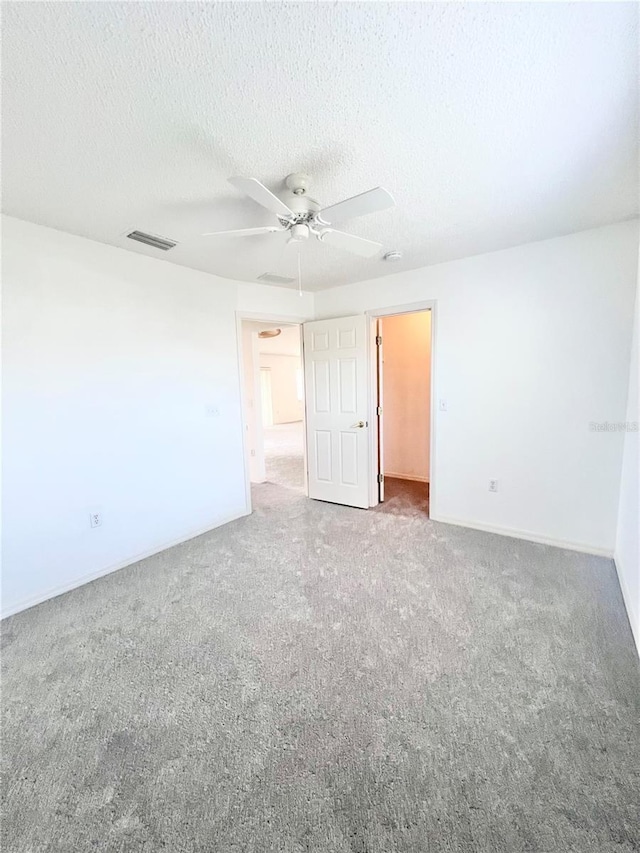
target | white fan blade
x=358, y=205
x=258, y=192
x=245, y=232
x=351, y=243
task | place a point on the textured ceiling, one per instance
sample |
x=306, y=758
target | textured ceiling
x=491, y=124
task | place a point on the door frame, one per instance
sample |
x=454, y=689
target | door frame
x=265, y=373
x=280, y=319
x=374, y=315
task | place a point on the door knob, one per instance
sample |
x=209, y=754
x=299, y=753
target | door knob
x=361, y=424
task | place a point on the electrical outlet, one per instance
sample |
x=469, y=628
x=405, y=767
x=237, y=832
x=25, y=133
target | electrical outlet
x=493, y=485
x=95, y=519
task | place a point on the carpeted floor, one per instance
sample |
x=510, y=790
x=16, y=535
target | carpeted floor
x=284, y=455
x=316, y=678
x=402, y=497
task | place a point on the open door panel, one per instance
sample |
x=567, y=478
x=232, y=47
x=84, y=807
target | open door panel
x=335, y=367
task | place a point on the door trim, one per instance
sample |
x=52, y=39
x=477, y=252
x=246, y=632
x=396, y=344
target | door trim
x=374, y=314
x=379, y=407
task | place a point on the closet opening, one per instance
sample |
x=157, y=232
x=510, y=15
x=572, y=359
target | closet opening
x=403, y=410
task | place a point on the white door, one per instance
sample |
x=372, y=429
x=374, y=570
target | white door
x=335, y=368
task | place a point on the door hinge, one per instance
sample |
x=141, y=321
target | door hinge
x=378, y=410
x=381, y=478
x=378, y=340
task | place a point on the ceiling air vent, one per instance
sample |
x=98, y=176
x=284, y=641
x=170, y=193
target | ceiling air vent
x=152, y=240
x=272, y=278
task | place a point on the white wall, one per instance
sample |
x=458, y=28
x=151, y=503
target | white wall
x=281, y=303
x=114, y=365
x=406, y=353
x=531, y=344
x=627, y=553
x=121, y=394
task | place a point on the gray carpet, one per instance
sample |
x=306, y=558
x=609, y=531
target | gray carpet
x=315, y=678
x=284, y=455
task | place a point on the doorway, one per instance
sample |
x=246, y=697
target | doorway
x=344, y=381
x=273, y=404
x=403, y=386
x=341, y=426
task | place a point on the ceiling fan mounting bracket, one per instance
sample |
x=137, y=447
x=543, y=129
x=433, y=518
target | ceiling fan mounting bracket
x=298, y=183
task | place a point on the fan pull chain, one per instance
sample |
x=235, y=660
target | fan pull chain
x=299, y=275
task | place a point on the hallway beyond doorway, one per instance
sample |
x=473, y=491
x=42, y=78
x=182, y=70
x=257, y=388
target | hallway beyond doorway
x=284, y=455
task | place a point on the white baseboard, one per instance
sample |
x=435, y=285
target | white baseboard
x=406, y=477
x=631, y=606
x=92, y=576
x=528, y=536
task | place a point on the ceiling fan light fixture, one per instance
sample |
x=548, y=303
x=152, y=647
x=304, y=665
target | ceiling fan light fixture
x=274, y=278
x=298, y=233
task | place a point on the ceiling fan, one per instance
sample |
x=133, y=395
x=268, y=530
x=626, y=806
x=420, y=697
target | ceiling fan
x=302, y=217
